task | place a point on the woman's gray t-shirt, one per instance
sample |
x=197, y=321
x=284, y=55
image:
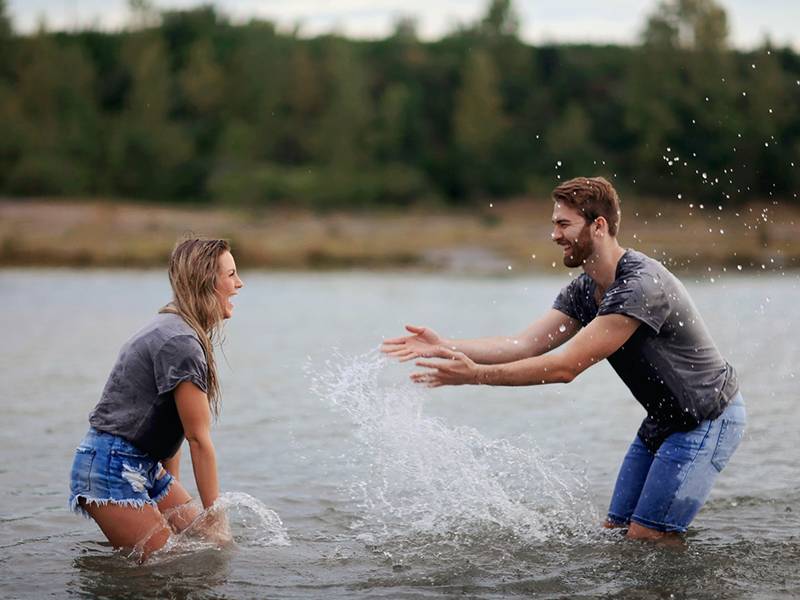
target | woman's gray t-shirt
x=670, y=363
x=138, y=401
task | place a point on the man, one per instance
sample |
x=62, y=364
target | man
x=630, y=309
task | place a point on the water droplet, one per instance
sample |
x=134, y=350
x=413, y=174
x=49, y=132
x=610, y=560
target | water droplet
x=562, y=328
x=739, y=267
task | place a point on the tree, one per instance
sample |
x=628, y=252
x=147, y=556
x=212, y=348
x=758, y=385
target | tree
x=53, y=122
x=148, y=150
x=478, y=120
x=688, y=24
x=348, y=108
x=501, y=20
x=202, y=81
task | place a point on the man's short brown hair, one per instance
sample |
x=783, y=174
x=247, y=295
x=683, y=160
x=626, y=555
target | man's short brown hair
x=593, y=197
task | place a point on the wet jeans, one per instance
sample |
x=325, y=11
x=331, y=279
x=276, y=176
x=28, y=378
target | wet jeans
x=665, y=490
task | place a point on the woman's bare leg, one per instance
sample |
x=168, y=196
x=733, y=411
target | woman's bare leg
x=130, y=527
x=178, y=508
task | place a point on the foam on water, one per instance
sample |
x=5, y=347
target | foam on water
x=418, y=476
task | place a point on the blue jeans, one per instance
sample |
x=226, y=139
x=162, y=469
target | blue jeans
x=665, y=490
x=109, y=469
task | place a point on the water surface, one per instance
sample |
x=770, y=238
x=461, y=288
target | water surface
x=385, y=490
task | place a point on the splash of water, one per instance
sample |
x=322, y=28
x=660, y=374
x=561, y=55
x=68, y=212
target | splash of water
x=235, y=517
x=419, y=476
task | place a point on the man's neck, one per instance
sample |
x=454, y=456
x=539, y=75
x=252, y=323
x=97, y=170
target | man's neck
x=602, y=265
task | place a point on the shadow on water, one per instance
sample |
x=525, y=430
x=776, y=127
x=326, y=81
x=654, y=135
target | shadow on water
x=606, y=566
x=104, y=574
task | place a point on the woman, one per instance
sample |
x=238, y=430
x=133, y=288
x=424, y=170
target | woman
x=162, y=389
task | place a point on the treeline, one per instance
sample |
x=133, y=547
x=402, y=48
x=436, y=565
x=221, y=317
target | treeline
x=186, y=106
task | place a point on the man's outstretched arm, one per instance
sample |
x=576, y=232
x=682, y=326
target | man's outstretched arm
x=598, y=340
x=548, y=332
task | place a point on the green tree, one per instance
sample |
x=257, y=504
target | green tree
x=348, y=109
x=478, y=120
x=501, y=20
x=52, y=120
x=202, y=80
x=148, y=151
x=689, y=24
x=570, y=141
x=6, y=41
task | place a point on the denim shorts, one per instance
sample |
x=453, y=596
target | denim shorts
x=665, y=490
x=108, y=468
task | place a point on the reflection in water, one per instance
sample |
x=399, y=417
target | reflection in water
x=114, y=575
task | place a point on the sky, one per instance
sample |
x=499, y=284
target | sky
x=593, y=21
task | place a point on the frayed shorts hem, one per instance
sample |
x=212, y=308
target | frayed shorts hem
x=76, y=507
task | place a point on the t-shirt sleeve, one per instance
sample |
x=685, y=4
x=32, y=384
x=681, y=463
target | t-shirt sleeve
x=567, y=299
x=180, y=359
x=641, y=297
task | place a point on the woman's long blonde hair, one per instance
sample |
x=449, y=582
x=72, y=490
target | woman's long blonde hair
x=193, y=268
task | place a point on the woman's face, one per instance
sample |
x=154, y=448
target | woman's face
x=228, y=283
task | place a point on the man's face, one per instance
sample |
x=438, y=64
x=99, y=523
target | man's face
x=573, y=234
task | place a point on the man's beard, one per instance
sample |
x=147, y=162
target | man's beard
x=580, y=250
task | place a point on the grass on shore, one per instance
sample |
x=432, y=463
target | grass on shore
x=48, y=232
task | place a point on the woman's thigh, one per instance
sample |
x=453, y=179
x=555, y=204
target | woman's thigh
x=143, y=529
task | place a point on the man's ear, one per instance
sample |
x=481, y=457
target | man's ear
x=602, y=226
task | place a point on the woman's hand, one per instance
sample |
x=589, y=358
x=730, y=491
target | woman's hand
x=456, y=369
x=212, y=526
x=419, y=344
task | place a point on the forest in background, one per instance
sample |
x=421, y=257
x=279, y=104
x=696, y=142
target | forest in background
x=187, y=106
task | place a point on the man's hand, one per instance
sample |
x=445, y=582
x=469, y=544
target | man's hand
x=419, y=344
x=456, y=369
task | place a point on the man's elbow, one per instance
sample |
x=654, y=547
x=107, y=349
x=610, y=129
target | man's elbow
x=566, y=373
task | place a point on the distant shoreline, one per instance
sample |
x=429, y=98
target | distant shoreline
x=488, y=238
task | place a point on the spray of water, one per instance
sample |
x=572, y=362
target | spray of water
x=420, y=477
x=235, y=518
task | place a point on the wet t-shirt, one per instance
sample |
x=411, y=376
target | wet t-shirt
x=138, y=402
x=670, y=363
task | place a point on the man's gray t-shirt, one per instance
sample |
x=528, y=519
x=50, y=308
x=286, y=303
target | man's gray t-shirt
x=670, y=363
x=138, y=401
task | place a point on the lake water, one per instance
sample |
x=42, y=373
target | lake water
x=344, y=481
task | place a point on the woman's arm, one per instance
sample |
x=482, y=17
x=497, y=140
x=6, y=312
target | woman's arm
x=173, y=464
x=195, y=416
